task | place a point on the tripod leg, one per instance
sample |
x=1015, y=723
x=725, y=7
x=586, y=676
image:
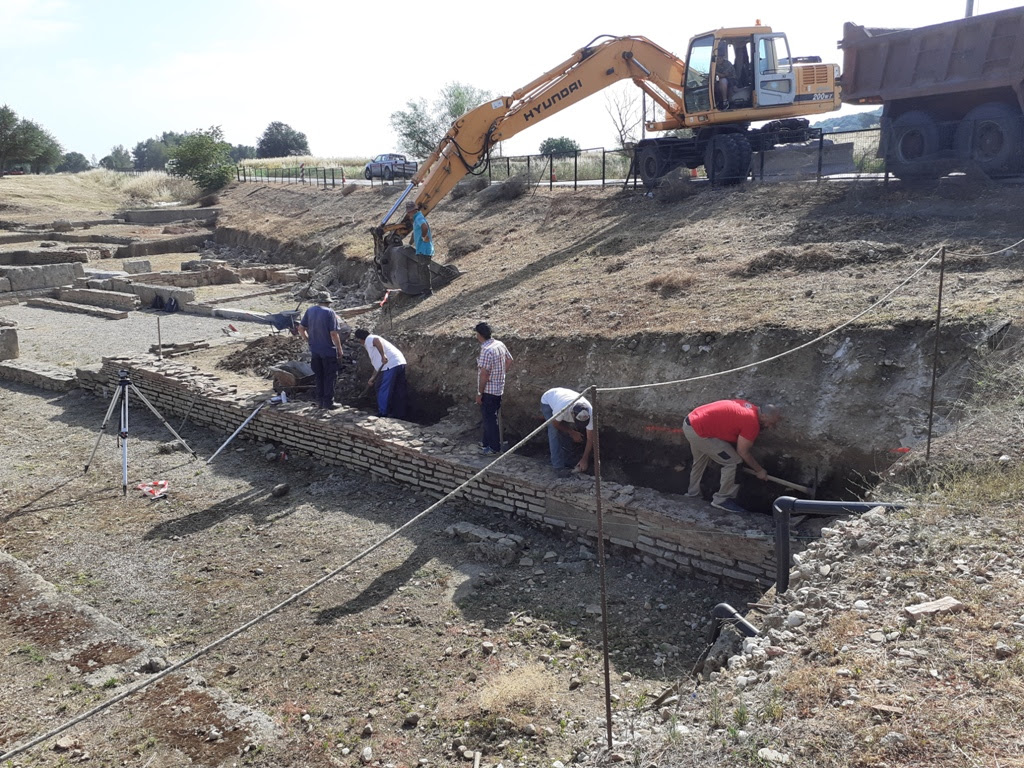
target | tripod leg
x=103, y=427
x=163, y=421
x=123, y=434
x=240, y=428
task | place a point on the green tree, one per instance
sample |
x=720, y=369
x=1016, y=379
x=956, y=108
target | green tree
x=421, y=126
x=153, y=154
x=240, y=152
x=559, y=147
x=117, y=160
x=10, y=137
x=204, y=157
x=281, y=140
x=38, y=148
x=73, y=162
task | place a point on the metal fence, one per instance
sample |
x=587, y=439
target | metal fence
x=842, y=153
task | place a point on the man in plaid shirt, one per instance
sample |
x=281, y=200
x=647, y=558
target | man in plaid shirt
x=492, y=365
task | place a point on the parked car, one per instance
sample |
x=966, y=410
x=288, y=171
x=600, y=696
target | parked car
x=390, y=165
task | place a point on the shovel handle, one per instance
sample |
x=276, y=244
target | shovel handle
x=780, y=481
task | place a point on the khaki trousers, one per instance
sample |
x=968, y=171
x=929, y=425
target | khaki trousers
x=707, y=449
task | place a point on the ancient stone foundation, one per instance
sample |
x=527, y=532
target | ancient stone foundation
x=650, y=527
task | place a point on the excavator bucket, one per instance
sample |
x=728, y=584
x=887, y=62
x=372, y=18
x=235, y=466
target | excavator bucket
x=399, y=266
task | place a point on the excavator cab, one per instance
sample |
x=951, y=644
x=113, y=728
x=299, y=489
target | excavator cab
x=738, y=71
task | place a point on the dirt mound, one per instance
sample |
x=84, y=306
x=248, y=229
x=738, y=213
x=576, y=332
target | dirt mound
x=819, y=257
x=259, y=355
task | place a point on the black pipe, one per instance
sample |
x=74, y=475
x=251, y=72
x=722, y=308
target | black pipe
x=785, y=506
x=808, y=507
x=722, y=613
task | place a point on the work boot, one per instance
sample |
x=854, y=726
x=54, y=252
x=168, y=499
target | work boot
x=729, y=505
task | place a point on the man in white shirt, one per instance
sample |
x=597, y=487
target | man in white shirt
x=389, y=366
x=564, y=429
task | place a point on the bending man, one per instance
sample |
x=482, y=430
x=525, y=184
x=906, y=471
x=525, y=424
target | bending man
x=564, y=430
x=389, y=364
x=724, y=432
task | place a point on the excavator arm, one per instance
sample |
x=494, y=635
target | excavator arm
x=592, y=68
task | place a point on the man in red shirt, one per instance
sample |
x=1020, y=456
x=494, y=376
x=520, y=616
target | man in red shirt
x=724, y=432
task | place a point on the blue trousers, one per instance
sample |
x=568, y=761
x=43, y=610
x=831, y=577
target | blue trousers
x=325, y=368
x=489, y=407
x=393, y=394
x=561, y=445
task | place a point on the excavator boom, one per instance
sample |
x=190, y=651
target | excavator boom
x=684, y=95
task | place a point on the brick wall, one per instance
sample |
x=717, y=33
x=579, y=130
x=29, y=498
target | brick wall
x=638, y=522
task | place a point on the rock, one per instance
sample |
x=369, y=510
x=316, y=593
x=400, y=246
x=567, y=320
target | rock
x=574, y=683
x=367, y=731
x=280, y=490
x=773, y=757
x=61, y=225
x=665, y=714
x=795, y=619
x=367, y=755
x=411, y=720
x=66, y=743
x=942, y=605
x=154, y=664
x=1003, y=651
x=487, y=648
x=530, y=729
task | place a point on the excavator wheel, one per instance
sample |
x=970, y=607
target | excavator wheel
x=651, y=165
x=727, y=159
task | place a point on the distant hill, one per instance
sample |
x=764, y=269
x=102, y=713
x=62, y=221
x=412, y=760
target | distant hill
x=858, y=121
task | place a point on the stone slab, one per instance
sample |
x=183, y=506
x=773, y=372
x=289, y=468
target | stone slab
x=38, y=375
x=82, y=309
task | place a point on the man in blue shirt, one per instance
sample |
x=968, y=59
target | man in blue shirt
x=323, y=330
x=420, y=230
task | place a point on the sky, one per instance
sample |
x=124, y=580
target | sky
x=99, y=73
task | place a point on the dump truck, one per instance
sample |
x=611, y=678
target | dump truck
x=951, y=93
x=731, y=78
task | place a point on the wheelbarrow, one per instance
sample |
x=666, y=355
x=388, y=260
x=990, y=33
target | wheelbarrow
x=292, y=377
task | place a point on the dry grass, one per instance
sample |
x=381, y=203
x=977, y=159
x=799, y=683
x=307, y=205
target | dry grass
x=510, y=189
x=672, y=283
x=86, y=195
x=516, y=692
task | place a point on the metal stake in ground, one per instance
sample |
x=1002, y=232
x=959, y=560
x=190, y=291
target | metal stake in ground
x=121, y=395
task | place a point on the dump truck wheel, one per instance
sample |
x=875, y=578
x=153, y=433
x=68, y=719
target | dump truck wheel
x=651, y=166
x=913, y=144
x=990, y=138
x=724, y=159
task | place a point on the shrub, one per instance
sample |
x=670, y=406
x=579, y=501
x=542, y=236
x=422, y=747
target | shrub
x=671, y=283
x=511, y=189
x=469, y=187
x=204, y=157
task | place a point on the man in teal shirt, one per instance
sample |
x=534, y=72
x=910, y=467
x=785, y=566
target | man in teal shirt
x=420, y=231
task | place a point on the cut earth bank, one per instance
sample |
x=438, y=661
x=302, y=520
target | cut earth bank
x=614, y=288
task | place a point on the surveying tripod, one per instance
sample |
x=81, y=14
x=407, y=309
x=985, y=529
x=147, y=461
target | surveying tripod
x=121, y=394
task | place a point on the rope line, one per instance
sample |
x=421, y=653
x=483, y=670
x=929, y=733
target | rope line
x=788, y=352
x=991, y=253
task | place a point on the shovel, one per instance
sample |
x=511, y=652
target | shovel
x=809, y=490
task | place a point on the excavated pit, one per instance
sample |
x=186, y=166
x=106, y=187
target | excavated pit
x=575, y=285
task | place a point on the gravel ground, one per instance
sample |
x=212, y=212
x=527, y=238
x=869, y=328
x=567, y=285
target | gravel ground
x=56, y=338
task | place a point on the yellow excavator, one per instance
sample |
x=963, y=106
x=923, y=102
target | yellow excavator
x=731, y=78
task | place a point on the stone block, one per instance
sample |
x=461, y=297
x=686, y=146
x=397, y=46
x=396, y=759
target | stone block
x=137, y=267
x=8, y=343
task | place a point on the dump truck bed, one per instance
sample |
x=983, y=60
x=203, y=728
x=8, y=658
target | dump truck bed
x=974, y=54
